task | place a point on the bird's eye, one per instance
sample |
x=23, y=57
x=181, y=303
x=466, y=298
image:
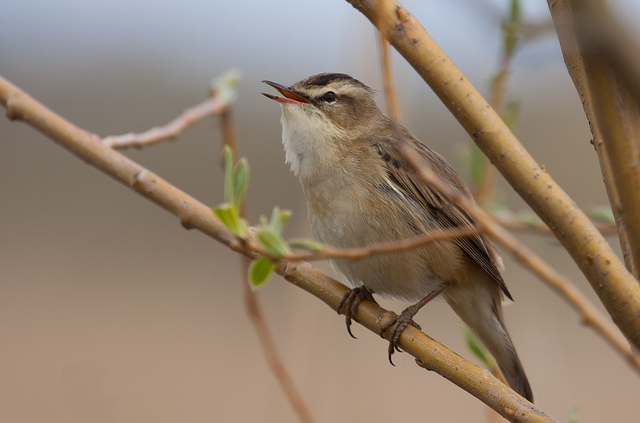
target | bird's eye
x=329, y=97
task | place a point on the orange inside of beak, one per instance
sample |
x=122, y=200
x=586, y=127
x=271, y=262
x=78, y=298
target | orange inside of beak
x=289, y=96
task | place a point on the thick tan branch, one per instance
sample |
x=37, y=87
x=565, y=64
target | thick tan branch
x=563, y=19
x=617, y=115
x=616, y=287
x=603, y=46
x=193, y=214
x=568, y=291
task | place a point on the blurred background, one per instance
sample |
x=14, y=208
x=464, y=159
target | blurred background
x=110, y=311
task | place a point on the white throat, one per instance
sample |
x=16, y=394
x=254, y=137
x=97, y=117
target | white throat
x=308, y=138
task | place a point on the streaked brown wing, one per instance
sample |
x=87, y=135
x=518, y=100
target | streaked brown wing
x=446, y=214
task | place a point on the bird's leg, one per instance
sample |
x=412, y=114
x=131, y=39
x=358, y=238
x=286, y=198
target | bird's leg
x=348, y=305
x=398, y=323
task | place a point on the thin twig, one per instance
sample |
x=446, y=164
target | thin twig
x=517, y=223
x=252, y=304
x=221, y=97
x=274, y=360
x=485, y=190
x=209, y=107
x=193, y=214
x=390, y=93
x=328, y=251
x=229, y=134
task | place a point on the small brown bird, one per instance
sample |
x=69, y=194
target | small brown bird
x=361, y=190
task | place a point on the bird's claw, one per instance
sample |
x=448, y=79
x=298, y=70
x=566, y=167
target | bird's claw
x=348, y=305
x=396, y=325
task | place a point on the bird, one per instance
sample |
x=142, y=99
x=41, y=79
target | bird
x=361, y=189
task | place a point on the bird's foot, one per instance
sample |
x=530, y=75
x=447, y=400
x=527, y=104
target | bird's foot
x=396, y=325
x=399, y=323
x=348, y=305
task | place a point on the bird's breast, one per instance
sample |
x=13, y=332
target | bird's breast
x=347, y=217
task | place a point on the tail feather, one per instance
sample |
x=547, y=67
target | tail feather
x=482, y=312
x=512, y=369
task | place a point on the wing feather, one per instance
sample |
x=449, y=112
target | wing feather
x=445, y=214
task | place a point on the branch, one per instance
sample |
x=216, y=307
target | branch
x=590, y=315
x=390, y=93
x=222, y=94
x=329, y=251
x=394, y=111
x=193, y=214
x=604, y=78
x=562, y=16
x=616, y=287
x=485, y=187
x=517, y=223
x=278, y=368
x=254, y=309
x=563, y=286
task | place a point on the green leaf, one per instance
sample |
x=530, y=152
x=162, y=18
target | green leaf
x=496, y=207
x=227, y=159
x=514, y=11
x=306, y=244
x=236, y=179
x=259, y=271
x=269, y=233
x=264, y=223
x=228, y=215
x=473, y=160
x=573, y=414
x=511, y=28
x=278, y=220
x=273, y=242
x=530, y=218
x=510, y=113
x=239, y=182
x=602, y=214
x=477, y=348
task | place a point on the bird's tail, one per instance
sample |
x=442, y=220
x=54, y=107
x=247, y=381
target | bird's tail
x=481, y=310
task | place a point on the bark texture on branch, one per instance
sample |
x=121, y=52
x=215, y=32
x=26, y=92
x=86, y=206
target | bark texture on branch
x=618, y=290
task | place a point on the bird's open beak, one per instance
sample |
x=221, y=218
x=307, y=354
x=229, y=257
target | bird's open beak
x=289, y=96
